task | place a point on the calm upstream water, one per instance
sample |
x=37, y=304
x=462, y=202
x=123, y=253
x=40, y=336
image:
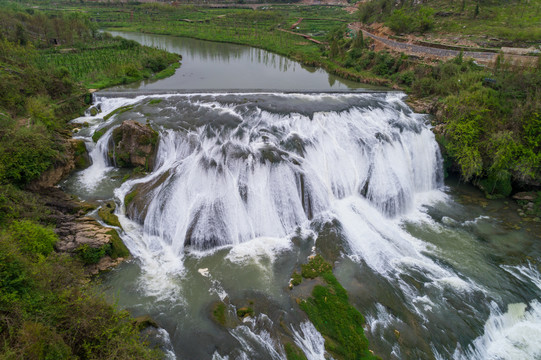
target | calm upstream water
x=249, y=183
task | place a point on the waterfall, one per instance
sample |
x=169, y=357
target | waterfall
x=235, y=171
x=91, y=176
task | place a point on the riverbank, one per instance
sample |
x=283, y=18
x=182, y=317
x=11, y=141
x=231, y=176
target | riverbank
x=49, y=247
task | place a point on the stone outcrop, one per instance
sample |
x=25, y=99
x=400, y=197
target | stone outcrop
x=134, y=145
x=76, y=230
x=74, y=157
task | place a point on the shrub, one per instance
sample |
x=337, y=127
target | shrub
x=33, y=238
x=41, y=342
x=90, y=255
x=25, y=153
x=401, y=22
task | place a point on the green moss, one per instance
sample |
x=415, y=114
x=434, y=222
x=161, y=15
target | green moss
x=117, y=248
x=315, y=267
x=120, y=110
x=245, y=311
x=130, y=197
x=296, y=279
x=107, y=214
x=98, y=134
x=293, y=352
x=218, y=313
x=155, y=101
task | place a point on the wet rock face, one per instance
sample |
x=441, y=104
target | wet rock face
x=134, y=145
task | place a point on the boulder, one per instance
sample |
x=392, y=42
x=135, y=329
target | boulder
x=134, y=145
x=525, y=196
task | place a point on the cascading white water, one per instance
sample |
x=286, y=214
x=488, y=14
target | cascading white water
x=91, y=176
x=259, y=173
x=310, y=341
x=513, y=334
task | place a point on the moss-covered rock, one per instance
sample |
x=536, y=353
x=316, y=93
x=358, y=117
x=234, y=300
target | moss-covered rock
x=118, y=249
x=81, y=157
x=134, y=145
x=107, y=214
x=244, y=312
x=328, y=308
x=143, y=322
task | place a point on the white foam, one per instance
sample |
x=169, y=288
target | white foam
x=253, y=250
x=513, y=335
x=310, y=341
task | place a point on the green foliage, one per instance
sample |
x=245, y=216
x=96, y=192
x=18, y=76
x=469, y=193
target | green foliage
x=14, y=278
x=296, y=279
x=25, y=152
x=18, y=204
x=155, y=101
x=130, y=197
x=107, y=214
x=41, y=342
x=91, y=255
x=34, y=239
x=426, y=18
x=315, y=267
x=401, y=22
x=98, y=134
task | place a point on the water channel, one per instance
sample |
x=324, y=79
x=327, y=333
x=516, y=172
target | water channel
x=263, y=161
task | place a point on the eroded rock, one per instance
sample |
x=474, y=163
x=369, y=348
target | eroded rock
x=134, y=145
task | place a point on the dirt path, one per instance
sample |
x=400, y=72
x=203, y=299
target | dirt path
x=426, y=51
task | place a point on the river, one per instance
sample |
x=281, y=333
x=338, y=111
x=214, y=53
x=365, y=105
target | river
x=261, y=162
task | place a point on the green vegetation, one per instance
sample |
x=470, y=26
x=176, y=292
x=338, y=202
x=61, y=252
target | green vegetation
x=106, y=61
x=293, y=352
x=155, y=101
x=46, y=63
x=130, y=197
x=219, y=313
x=47, y=313
x=331, y=313
x=120, y=110
x=91, y=255
x=486, y=22
x=296, y=279
x=117, y=249
x=315, y=267
x=107, y=214
x=35, y=240
x=491, y=121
